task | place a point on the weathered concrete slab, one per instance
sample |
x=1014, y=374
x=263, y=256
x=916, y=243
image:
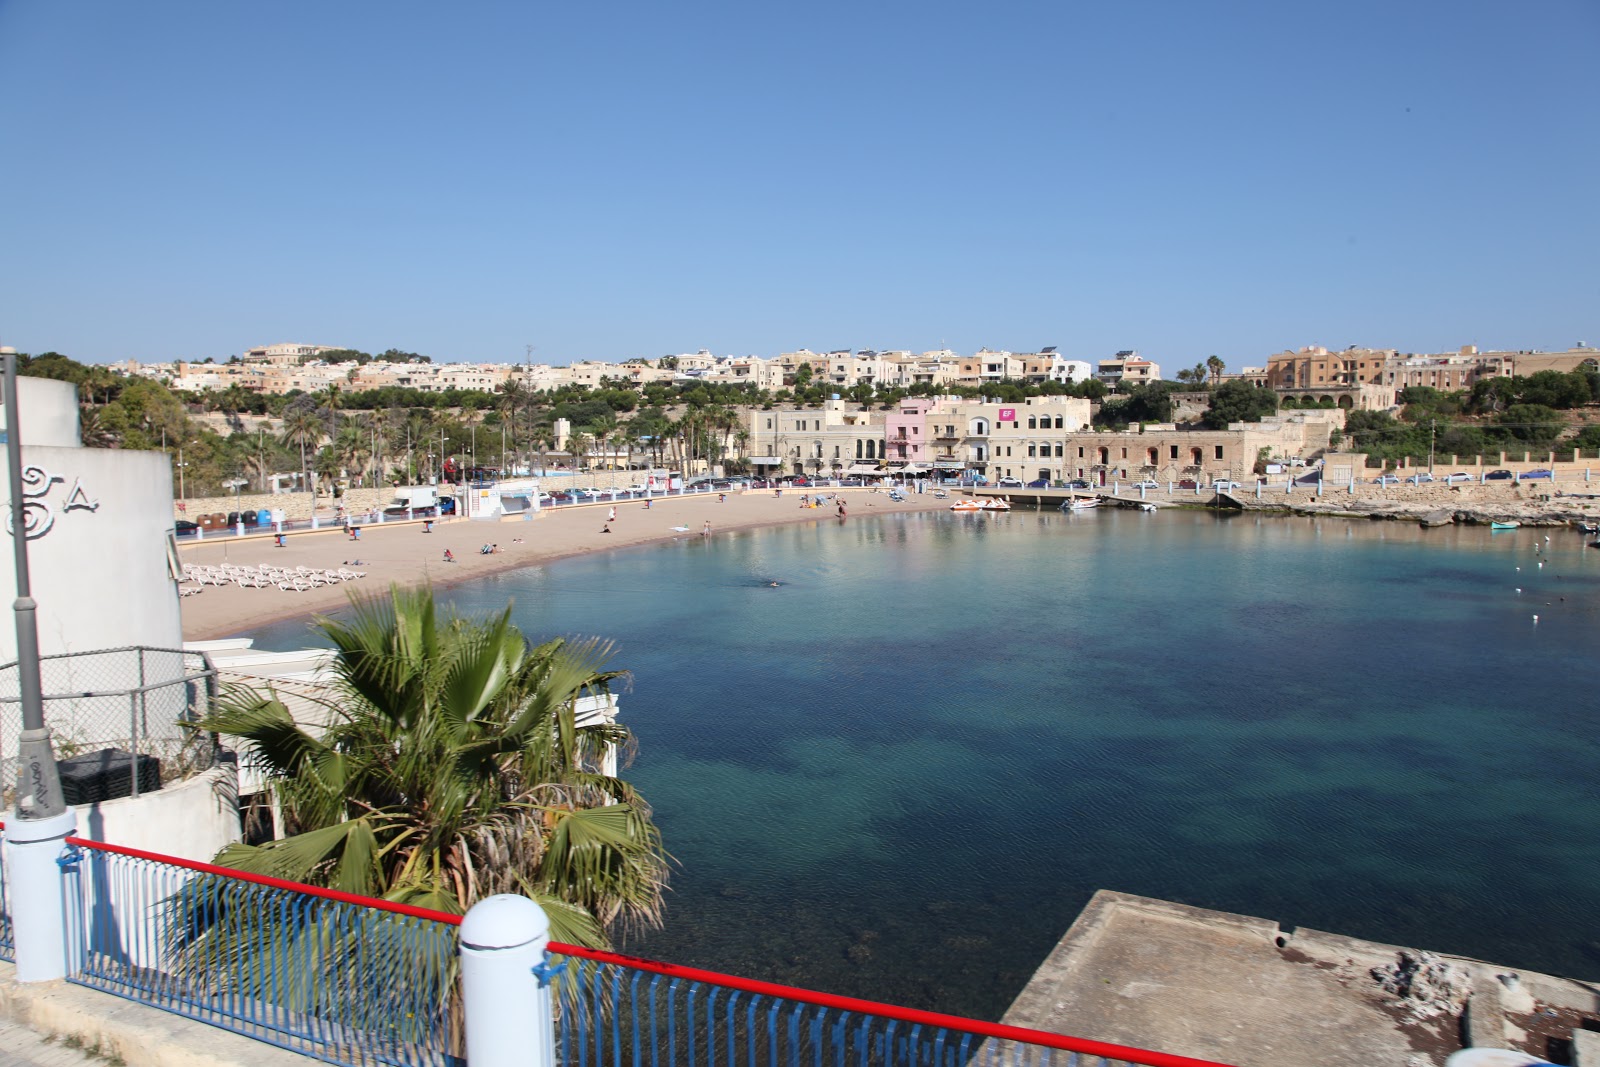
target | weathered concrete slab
x=120, y=1031
x=1240, y=990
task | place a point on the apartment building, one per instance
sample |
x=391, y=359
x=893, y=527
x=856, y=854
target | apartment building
x=1129, y=367
x=814, y=440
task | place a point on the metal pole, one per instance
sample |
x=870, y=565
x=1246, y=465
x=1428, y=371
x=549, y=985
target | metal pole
x=38, y=786
x=36, y=831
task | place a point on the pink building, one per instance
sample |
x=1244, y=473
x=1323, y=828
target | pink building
x=905, y=432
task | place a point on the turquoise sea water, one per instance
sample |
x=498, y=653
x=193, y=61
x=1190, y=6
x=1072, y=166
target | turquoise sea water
x=903, y=772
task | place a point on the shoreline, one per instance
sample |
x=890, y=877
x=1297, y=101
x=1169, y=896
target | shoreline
x=404, y=555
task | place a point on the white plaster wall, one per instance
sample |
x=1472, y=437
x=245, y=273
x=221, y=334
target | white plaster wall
x=48, y=411
x=191, y=820
x=99, y=576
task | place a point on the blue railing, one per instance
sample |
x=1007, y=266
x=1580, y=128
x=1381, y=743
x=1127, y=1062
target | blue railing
x=619, y=1011
x=363, y=982
x=348, y=983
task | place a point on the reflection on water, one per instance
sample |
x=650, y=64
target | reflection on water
x=902, y=772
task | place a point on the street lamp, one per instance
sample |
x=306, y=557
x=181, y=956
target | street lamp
x=38, y=794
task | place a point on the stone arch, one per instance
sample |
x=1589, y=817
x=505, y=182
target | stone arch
x=1152, y=456
x=1345, y=402
x=1196, y=456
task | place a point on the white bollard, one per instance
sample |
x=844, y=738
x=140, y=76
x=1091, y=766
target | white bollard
x=313, y=519
x=238, y=529
x=34, y=893
x=504, y=988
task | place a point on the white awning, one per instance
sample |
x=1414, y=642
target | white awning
x=766, y=461
x=857, y=472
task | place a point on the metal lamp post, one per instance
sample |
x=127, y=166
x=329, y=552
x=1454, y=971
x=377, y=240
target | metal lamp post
x=38, y=785
x=37, y=830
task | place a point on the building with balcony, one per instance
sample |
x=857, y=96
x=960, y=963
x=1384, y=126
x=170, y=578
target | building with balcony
x=1127, y=367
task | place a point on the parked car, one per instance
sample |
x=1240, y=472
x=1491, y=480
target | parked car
x=1459, y=476
x=1537, y=475
x=1420, y=478
x=1148, y=483
x=184, y=526
x=1498, y=476
x=1314, y=478
x=1187, y=483
x=1077, y=483
x=1386, y=479
x=1039, y=483
x=1224, y=485
x=1010, y=483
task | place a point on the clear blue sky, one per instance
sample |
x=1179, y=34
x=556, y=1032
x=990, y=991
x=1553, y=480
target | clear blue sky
x=608, y=180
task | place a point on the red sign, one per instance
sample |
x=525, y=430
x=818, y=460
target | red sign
x=1008, y=414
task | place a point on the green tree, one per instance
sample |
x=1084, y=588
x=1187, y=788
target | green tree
x=1238, y=401
x=451, y=768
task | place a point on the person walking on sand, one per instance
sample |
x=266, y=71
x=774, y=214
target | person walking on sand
x=611, y=518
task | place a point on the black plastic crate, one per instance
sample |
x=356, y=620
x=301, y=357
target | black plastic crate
x=106, y=775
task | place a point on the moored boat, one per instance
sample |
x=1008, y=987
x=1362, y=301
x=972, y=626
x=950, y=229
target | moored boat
x=1504, y=526
x=980, y=505
x=1081, y=503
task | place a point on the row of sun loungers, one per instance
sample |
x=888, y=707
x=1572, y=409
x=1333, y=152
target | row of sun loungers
x=293, y=579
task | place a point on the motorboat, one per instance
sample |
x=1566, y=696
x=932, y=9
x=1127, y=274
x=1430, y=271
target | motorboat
x=1147, y=507
x=1504, y=525
x=1084, y=503
x=989, y=504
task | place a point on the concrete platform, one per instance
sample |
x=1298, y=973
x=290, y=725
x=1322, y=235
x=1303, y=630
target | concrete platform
x=1243, y=991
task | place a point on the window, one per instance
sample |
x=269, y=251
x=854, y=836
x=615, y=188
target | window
x=1219, y=451
x=1061, y=450
x=1059, y=425
x=1033, y=423
x=1008, y=450
x=1124, y=453
x=769, y=424
x=1080, y=455
x=1174, y=451
x=1032, y=453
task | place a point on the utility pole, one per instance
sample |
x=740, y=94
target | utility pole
x=1432, y=424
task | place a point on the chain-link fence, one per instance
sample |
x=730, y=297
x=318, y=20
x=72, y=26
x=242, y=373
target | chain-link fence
x=142, y=701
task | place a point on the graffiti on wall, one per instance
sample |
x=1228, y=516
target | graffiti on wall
x=38, y=515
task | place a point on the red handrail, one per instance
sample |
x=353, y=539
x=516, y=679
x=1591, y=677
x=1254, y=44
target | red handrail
x=267, y=880
x=694, y=974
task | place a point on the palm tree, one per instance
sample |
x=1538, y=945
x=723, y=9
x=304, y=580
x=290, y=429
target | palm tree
x=451, y=767
x=304, y=428
x=1216, y=366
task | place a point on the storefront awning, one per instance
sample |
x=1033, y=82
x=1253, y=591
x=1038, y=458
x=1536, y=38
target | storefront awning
x=766, y=461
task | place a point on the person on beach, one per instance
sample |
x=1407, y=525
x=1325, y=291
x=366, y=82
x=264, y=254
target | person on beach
x=841, y=509
x=705, y=531
x=611, y=518
x=606, y=528
x=449, y=557
x=722, y=498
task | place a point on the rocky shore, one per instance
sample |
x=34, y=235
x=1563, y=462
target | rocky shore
x=1432, y=505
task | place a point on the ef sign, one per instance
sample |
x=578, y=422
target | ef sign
x=1008, y=414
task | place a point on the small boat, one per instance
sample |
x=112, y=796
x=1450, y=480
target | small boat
x=1504, y=525
x=1147, y=507
x=1084, y=503
x=1589, y=527
x=980, y=505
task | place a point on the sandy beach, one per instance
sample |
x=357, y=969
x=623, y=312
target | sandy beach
x=403, y=553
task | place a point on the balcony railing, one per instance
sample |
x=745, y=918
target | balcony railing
x=362, y=982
